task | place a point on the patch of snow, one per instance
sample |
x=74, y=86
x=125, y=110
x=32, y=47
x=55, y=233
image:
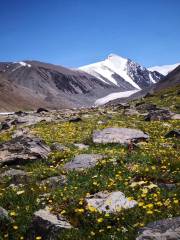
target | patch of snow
x=165, y=69
x=6, y=113
x=114, y=96
x=24, y=64
x=151, y=78
x=21, y=64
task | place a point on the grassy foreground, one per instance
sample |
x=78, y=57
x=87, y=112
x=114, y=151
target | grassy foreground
x=140, y=173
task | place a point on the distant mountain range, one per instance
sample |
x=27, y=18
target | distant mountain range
x=28, y=85
x=165, y=69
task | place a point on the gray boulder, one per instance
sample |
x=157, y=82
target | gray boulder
x=15, y=176
x=47, y=225
x=4, y=217
x=30, y=119
x=146, y=107
x=166, y=229
x=159, y=115
x=83, y=161
x=23, y=149
x=119, y=135
x=4, y=126
x=54, y=182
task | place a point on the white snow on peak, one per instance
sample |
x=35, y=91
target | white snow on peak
x=113, y=96
x=21, y=64
x=165, y=69
x=24, y=64
x=114, y=64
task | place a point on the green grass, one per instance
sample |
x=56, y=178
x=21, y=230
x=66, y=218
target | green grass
x=154, y=162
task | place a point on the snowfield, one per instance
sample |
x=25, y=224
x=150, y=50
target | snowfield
x=114, y=96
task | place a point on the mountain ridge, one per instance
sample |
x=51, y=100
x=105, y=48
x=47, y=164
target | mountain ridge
x=35, y=84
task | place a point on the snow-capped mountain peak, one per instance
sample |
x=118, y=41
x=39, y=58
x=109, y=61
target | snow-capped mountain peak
x=122, y=72
x=117, y=61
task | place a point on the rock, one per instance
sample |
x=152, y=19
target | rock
x=102, y=122
x=21, y=150
x=20, y=113
x=119, y=135
x=30, y=120
x=176, y=117
x=168, y=186
x=47, y=225
x=149, y=94
x=83, y=161
x=131, y=112
x=158, y=115
x=16, y=176
x=39, y=110
x=4, y=126
x=110, y=202
x=146, y=107
x=173, y=133
x=166, y=229
x=4, y=217
x=54, y=182
x=75, y=119
x=58, y=147
x=81, y=146
x=20, y=132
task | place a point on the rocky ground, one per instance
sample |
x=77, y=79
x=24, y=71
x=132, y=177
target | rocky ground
x=102, y=173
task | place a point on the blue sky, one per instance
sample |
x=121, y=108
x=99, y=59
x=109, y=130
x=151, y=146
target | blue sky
x=78, y=32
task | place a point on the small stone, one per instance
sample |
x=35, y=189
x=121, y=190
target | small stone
x=40, y=110
x=83, y=161
x=81, y=146
x=75, y=119
x=173, y=133
x=54, y=182
x=58, y=147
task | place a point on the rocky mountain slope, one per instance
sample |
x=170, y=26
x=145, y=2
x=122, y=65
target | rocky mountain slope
x=33, y=84
x=110, y=172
